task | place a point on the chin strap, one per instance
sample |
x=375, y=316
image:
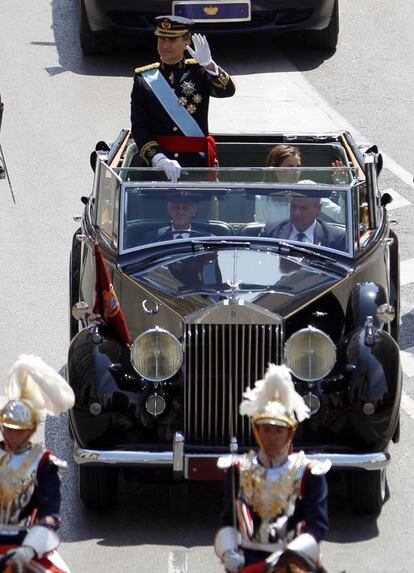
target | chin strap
x=41, y=539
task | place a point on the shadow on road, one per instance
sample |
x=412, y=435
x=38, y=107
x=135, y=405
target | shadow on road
x=156, y=513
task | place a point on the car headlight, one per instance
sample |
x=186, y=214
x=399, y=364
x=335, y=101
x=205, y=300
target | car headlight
x=156, y=354
x=310, y=354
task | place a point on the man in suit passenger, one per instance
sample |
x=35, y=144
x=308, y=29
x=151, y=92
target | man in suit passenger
x=304, y=225
x=181, y=213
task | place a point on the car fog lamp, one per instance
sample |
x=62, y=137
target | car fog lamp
x=368, y=408
x=95, y=408
x=310, y=354
x=156, y=354
x=155, y=405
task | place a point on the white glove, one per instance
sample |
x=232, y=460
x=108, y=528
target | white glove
x=201, y=51
x=22, y=557
x=233, y=561
x=171, y=167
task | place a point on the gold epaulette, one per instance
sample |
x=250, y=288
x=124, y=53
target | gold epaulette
x=148, y=67
x=191, y=61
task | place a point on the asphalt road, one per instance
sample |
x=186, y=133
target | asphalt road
x=58, y=105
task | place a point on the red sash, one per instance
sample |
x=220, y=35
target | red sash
x=184, y=144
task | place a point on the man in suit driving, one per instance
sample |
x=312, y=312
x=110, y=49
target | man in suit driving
x=304, y=225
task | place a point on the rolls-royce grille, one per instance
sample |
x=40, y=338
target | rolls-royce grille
x=221, y=362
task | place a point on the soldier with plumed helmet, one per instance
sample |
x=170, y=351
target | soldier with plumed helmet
x=170, y=100
x=275, y=500
x=29, y=482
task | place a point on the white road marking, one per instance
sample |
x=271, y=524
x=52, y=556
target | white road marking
x=178, y=561
x=407, y=404
x=397, y=199
x=295, y=106
x=407, y=272
x=407, y=361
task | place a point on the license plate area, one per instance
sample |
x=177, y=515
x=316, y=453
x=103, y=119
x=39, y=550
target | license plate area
x=223, y=11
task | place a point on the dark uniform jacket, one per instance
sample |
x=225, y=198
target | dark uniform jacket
x=193, y=86
x=45, y=500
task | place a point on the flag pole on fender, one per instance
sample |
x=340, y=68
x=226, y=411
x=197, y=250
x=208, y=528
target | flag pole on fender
x=106, y=302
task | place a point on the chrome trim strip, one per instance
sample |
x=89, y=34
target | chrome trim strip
x=125, y=458
x=370, y=462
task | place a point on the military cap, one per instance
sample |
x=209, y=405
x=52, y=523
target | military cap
x=172, y=26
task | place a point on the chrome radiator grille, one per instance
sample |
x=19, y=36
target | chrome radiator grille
x=221, y=361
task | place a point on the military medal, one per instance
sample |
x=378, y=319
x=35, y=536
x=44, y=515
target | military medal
x=188, y=87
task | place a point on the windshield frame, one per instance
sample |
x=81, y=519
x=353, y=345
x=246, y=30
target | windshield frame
x=218, y=187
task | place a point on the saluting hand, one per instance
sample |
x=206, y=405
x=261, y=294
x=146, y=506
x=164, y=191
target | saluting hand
x=201, y=51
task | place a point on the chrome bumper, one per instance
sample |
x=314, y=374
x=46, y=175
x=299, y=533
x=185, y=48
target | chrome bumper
x=185, y=465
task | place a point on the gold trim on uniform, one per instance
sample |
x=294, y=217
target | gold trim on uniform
x=268, y=498
x=148, y=67
x=222, y=80
x=148, y=151
x=190, y=61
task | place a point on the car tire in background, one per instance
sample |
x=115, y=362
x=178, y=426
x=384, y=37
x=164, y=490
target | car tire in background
x=326, y=39
x=367, y=490
x=97, y=486
x=93, y=43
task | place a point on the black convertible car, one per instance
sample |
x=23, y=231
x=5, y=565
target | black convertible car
x=206, y=310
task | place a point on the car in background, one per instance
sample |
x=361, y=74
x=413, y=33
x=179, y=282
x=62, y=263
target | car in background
x=102, y=20
x=204, y=314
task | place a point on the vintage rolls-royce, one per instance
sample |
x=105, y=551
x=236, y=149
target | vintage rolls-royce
x=210, y=299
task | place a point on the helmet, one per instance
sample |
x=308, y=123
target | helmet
x=18, y=415
x=274, y=400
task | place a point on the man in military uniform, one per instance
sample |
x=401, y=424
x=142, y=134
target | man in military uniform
x=170, y=98
x=275, y=500
x=29, y=482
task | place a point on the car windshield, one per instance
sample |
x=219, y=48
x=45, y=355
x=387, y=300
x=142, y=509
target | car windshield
x=310, y=207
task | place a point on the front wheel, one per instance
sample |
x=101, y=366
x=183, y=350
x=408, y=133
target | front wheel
x=367, y=490
x=97, y=486
x=326, y=39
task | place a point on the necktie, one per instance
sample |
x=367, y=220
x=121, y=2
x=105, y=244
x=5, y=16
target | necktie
x=179, y=237
x=301, y=237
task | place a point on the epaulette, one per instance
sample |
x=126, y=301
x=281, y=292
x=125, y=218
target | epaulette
x=57, y=462
x=320, y=468
x=191, y=61
x=148, y=67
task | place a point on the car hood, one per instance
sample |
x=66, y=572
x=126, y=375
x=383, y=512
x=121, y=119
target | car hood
x=276, y=282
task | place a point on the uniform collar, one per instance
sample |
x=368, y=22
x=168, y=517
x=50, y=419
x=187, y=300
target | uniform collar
x=179, y=64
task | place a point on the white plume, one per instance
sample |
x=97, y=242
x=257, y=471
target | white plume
x=275, y=393
x=30, y=378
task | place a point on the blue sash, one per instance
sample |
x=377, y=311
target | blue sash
x=165, y=95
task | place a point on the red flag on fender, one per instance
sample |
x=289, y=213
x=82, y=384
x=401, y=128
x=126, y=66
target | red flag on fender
x=106, y=301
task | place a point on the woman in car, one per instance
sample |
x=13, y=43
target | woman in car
x=277, y=208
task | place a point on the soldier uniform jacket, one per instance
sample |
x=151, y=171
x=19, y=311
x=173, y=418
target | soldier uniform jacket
x=29, y=482
x=193, y=86
x=296, y=494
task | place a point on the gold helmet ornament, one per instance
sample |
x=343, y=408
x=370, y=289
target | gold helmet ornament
x=274, y=401
x=33, y=389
